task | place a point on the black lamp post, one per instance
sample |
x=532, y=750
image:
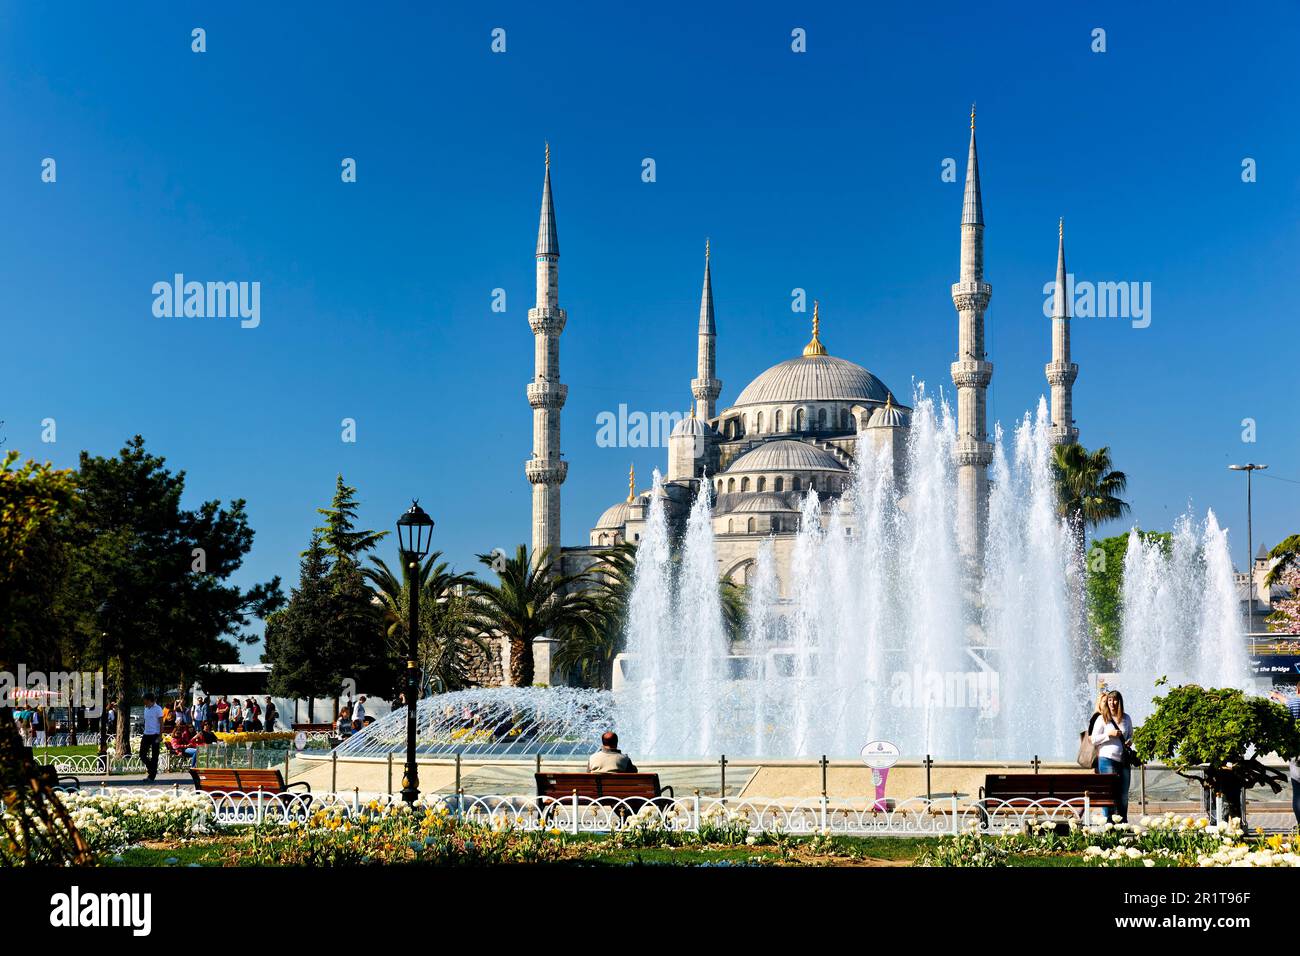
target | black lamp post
x=103, y=684
x=414, y=534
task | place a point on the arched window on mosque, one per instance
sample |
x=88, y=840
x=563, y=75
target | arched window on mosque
x=794, y=484
x=731, y=526
x=798, y=419
x=821, y=419
x=762, y=484
x=780, y=483
x=812, y=483
x=744, y=484
x=750, y=526
x=731, y=485
x=758, y=423
x=777, y=427
x=844, y=419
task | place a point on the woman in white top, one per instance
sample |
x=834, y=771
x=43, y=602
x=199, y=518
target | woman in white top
x=1112, y=732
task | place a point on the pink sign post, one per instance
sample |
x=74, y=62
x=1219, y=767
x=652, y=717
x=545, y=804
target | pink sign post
x=880, y=755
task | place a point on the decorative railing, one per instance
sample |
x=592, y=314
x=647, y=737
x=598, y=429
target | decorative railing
x=917, y=817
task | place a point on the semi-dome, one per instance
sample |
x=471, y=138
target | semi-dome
x=813, y=378
x=887, y=416
x=762, y=502
x=615, y=516
x=690, y=425
x=786, y=454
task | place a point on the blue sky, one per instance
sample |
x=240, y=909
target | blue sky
x=819, y=171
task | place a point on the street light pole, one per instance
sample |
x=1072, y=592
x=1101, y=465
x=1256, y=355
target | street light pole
x=414, y=533
x=1250, y=544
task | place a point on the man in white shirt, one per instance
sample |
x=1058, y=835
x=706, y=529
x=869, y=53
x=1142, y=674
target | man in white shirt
x=152, y=734
x=359, y=712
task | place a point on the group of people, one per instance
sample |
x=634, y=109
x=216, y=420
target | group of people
x=31, y=725
x=352, y=718
x=225, y=716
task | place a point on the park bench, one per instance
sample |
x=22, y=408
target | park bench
x=1012, y=792
x=226, y=780
x=627, y=792
x=312, y=728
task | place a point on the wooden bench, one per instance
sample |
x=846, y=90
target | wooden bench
x=312, y=728
x=628, y=792
x=210, y=779
x=1011, y=792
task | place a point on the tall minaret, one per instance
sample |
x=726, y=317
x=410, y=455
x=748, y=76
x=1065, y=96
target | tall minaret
x=705, y=386
x=1061, y=372
x=546, y=470
x=971, y=373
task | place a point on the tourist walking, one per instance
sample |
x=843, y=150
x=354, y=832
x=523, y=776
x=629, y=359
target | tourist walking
x=359, y=711
x=38, y=726
x=269, y=714
x=609, y=759
x=1112, y=733
x=153, y=724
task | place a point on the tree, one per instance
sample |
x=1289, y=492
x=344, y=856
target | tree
x=1216, y=736
x=1285, y=571
x=297, y=635
x=333, y=617
x=530, y=599
x=1087, y=490
x=451, y=653
x=30, y=497
x=162, y=569
x=1104, y=582
x=589, y=649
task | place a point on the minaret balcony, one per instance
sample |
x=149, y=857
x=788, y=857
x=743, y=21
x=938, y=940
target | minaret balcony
x=1063, y=434
x=972, y=451
x=547, y=319
x=1061, y=373
x=968, y=296
x=547, y=394
x=540, y=471
x=972, y=374
x=706, y=388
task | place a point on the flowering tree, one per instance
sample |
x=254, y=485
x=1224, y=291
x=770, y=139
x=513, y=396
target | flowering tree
x=1285, y=618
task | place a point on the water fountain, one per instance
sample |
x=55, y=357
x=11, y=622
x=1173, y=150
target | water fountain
x=881, y=632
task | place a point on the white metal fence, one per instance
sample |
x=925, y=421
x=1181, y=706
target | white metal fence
x=915, y=817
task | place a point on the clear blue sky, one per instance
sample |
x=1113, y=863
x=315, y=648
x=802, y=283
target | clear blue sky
x=819, y=171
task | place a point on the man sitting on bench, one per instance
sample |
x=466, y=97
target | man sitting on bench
x=609, y=759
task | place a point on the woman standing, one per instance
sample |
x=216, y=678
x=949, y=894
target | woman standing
x=1112, y=732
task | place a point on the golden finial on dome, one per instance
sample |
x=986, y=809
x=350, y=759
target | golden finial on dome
x=972, y=117
x=889, y=399
x=706, y=248
x=631, y=483
x=815, y=347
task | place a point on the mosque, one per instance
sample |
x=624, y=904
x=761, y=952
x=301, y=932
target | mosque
x=799, y=426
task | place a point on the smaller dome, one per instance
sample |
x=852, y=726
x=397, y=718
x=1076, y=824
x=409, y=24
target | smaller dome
x=615, y=517
x=786, y=454
x=690, y=425
x=887, y=416
x=764, y=501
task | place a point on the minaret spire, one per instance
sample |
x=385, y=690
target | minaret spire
x=546, y=470
x=972, y=372
x=1061, y=372
x=631, y=483
x=706, y=387
x=815, y=347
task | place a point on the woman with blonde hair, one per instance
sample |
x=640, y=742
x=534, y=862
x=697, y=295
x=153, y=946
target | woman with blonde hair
x=1112, y=734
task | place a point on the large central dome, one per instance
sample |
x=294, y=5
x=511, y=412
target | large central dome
x=814, y=378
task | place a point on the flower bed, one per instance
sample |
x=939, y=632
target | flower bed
x=1167, y=840
x=110, y=822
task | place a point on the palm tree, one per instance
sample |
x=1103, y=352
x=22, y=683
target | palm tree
x=450, y=649
x=530, y=599
x=1087, y=489
x=590, y=649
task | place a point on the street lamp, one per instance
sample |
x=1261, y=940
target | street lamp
x=414, y=534
x=103, y=685
x=1250, y=545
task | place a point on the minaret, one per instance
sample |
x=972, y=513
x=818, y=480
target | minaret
x=705, y=387
x=971, y=373
x=814, y=346
x=546, y=470
x=1061, y=372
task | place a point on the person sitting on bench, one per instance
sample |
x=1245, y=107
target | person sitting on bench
x=609, y=759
